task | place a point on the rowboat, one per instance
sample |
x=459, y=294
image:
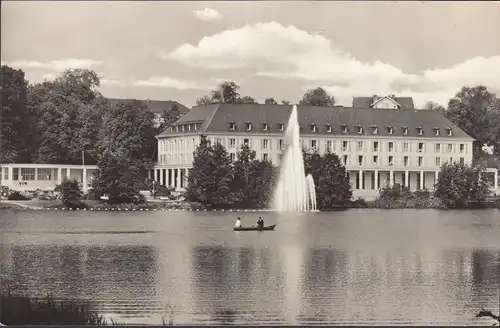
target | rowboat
x=271, y=227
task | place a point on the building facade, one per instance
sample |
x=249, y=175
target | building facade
x=30, y=177
x=379, y=146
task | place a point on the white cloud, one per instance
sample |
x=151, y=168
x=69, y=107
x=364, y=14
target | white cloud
x=207, y=14
x=55, y=65
x=286, y=52
x=111, y=81
x=170, y=83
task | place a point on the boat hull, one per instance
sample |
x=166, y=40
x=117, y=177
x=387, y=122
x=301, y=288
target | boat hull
x=268, y=228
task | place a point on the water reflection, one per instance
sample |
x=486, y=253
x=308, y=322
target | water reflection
x=316, y=269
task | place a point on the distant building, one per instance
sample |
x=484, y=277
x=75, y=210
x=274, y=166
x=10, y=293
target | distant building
x=390, y=101
x=156, y=106
x=380, y=145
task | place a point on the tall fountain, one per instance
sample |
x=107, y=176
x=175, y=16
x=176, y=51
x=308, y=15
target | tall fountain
x=294, y=192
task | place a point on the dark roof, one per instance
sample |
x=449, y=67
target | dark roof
x=366, y=102
x=217, y=118
x=156, y=106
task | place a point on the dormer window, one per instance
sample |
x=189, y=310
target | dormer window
x=375, y=129
x=390, y=130
x=313, y=127
x=281, y=127
x=182, y=127
x=360, y=129
x=328, y=128
x=176, y=128
x=420, y=131
x=405, y=130
x=436, y=131
x=171, y=129
x=196, y=127
x=189, y=127
x=232, y=126
x=265, y=126
x=248, y=126
x=343, y=128
x=449, y=132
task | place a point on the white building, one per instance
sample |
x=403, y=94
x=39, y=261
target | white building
x=381, y=143
x=30, y=177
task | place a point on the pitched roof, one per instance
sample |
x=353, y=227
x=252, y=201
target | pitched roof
x=217, y=118
x=366, y=102
x=156, y=106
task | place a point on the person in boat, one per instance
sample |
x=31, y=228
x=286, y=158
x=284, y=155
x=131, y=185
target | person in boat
x=237, y=224
x=260, y=222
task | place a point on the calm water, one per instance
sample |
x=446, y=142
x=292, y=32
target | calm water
x=353, y=267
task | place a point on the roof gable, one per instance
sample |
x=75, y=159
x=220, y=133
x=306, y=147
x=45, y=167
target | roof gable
x=366, y=102
x=385, y=97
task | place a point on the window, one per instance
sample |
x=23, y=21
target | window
x=281, y=126
x=374, y=130
x=265, y=127
x=375, y=146
x=6, y=173
x=328, y=128
x=44, y=174
x=196, y=127
x=15, y=173
x=189, y=127
x=313, y=127
x=451, y=160
x=420, y=160
x=265, y=157
x=406, y=147
x=232, y=126
x=359, y=146
x=375, y=160
x=406, y=161
x=461, y=148
x=360, y=129
x=391, y=146
x=438, y=161
x=27, y=174
x=405, y=130
x=462, y=161
x=437, y=148
x=182, y=128
x=265, y=144
x=232, y=142
x=314, y=144
x=436, y=131
x=329, y=145
x=281, y=144
x=176, y=128
x=344, y=145
x=360, y=160
x=232, y=157
x=248, y=126
x=218, y=141
x=344, y=128
x=389, y=130
x=420, y=147
x=246, y=141
x=391, y=160
x=420, y=131
x=449, y=132
x=449, y=148
x=345, y=159
x=171, y=129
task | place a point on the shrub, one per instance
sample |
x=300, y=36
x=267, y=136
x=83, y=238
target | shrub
x=71, y=194
x=16, y=195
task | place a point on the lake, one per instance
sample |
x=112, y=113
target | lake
x=361, y=266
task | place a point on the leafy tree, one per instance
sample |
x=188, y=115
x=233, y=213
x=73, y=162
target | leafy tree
x=459, y=185
x=169, y=117
x=317, y=97
x=16, y=121
x=71, y=193
x=270, y=101
x=477, y=111
x=210, y=177
x=286, y=102
x=330, y=179
x=118, y=177
x=204, y=100
x=227, y=93
x=245, y=100
x=430, y=105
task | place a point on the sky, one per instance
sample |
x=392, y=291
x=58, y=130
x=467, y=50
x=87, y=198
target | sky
x=181, y=50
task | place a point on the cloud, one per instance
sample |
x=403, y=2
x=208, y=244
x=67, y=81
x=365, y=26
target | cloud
x=207, y=14
x=55, y=65
x=170, y=83
x=111, y=81
x=286, y=52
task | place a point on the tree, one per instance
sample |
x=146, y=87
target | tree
x=245, y=100
x=317, y=97
x=227, y=93
x=210, y=177
x=169, y=116
x=16, y=121
x=286, y=102
x=477, y=111
x=460, y=185
x=204, y=100
x=430, y=105
x=118, y=177
x=270, y=101
x=71, y=193
x=330, y=179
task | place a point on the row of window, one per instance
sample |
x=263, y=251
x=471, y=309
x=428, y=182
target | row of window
x=184, y=127
x=30, y=174
x=374, y=130
x=375, y=160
